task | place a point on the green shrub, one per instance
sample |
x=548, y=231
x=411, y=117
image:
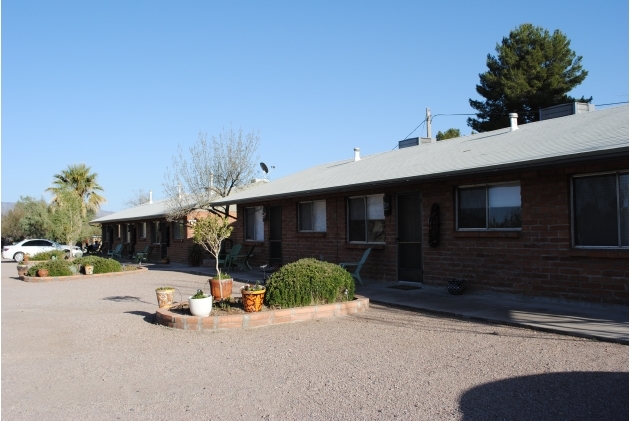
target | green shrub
x=47, y=255
x=55, y=268
x=308, y=282
x=101, y=264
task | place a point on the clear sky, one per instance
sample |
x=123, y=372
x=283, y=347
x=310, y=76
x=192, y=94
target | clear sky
x=117, y=85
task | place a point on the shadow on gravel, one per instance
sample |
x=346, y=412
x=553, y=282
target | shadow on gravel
x=555, y=396
x=125, y=298
x=147, y=317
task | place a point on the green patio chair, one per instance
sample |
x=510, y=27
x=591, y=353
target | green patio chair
x=142, y=256
x=228, y=261
x=357, y=265
x=117, y=251
x=241, y=260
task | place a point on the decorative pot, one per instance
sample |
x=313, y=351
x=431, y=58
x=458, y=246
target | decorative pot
x=456, y=286
x=26, y=257
x=252, y=300
x=220, y=289
x=165, y=260
x=89, y=269
x=42, y=273
x=200, y=306
x=22, y=270
x=165, y=297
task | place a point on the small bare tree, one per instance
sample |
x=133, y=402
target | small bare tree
x=209, y=232
x=138, y=197
x=214, y=168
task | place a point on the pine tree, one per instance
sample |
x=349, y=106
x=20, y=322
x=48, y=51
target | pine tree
x=533, y=69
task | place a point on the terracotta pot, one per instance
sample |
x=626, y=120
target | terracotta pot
x=89, y=269
x=42, y=273
x=22, y=270
x=26, y=257
x=220, y=290
x=252, y=300
x=165, y=297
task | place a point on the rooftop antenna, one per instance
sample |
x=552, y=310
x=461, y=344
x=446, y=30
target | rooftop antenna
x=265, y=169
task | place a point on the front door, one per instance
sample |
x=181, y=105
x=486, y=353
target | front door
x=409, y=238
x=275, y=235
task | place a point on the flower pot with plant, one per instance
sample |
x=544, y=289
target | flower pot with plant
x=200, y=304
x=22, y=269
x=42, y=273
x=88, y=269
x=27, y=257
x=209, y=233
x=252, y=297
x=165, y=296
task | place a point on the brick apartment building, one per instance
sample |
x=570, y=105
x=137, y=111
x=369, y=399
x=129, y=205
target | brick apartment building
x=539, y=210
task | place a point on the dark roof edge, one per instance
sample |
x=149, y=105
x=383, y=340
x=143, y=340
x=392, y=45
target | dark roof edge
x=534, y=164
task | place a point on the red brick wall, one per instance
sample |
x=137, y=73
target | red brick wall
x=536, y=261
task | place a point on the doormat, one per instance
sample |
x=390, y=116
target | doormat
x=404, y=287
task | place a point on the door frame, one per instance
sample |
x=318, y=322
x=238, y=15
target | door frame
x=396, y=224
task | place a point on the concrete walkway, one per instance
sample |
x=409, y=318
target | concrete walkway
x=602, y=322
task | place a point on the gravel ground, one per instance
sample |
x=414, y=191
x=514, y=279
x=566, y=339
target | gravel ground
x=88, y=350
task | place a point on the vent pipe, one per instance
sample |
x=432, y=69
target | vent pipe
x=357, y=158
x=513, y=121
x=428, y=120
x=150, y=197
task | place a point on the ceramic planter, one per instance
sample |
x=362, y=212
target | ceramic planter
x=89, y=269
x=220, y=289
x=252, y=300
x=200, y=306
x=165, y=297
x=22, y=270
x=42, y=273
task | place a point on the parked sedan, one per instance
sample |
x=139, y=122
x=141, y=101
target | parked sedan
x=32, y=247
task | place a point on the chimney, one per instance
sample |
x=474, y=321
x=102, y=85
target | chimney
x=150, y=197
x=513, y=121
x=357, y=158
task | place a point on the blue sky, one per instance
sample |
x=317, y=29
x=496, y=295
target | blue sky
x=117, y=85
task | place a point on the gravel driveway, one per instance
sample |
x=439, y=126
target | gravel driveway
x=88, y=350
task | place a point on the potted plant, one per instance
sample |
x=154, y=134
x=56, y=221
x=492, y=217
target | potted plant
x=42, y=273
x=209, y=233
x=252, y=297
x=22, y=269
x=88, y=269
x=165, y=260
x=200, y=304
x=26, y=257
x=165, y=296
x=456, y=286
x=195, y=253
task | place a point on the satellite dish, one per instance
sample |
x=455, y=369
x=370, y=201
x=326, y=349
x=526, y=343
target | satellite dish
x=264, y=168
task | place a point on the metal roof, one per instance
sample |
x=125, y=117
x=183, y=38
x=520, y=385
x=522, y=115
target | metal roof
x=565, y=139
x=156, y=209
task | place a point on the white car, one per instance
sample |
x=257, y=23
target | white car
x=33, y=246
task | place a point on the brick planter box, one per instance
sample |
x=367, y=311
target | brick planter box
x=263, y=318
x=68, y=278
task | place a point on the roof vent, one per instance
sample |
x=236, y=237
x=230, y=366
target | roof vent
x=357, y=158
x=513, y=121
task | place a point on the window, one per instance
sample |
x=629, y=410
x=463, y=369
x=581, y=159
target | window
x=366, y=220
x=600, y=210
x=493, y=207
x=118, y=230
x=128, y=233
x=155, y=232
x=143, y=230
x=179, y=230
x=254, y=223
x=312, y=216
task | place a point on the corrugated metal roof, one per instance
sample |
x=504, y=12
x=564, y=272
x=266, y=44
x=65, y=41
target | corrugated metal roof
x=156, y=209
x=565, y=138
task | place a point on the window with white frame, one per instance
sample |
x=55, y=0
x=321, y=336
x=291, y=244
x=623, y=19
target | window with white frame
x=312, y=216
x=600, y=210
x=254, y=223
x=179, y=230
x=143, y=229
x=155, y=233
x=366, y=219
x=489, y=207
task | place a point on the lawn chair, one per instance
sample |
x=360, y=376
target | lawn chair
x=143, y=256
x=358, y=266
x=241, y=260
x=117, y=251
x=228, y=261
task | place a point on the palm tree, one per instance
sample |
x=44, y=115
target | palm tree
x=77, y=178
